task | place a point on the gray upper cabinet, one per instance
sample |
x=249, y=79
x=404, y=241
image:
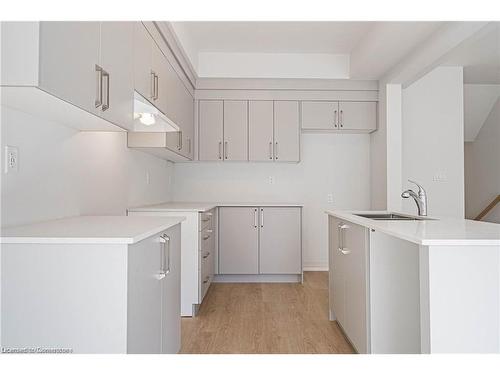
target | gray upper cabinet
x=360, y=116
x=69, y=53
x=274, y=131
x=260, y=130
x=320, y=115
x=117, y=61
x=211, y=133
x=286, y=131
x=75, y=73
x=235, y=130
x=344, y=115
x=143, y=62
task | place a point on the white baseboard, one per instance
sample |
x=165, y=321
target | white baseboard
x=257, y=278
x=315, y=267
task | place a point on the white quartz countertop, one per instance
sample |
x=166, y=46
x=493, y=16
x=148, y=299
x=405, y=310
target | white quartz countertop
x=206, y=206
x=90, y=230
x=442, y=231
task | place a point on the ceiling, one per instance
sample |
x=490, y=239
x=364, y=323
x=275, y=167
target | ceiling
x=362, y=50
x=479, y=55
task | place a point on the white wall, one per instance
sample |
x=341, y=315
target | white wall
x=331, y=163
x=433, y=140
x=63, y=172
x=482, y=169
x=273, y=65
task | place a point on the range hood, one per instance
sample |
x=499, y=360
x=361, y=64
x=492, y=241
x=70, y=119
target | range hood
x=147, y=118
x=154, y=132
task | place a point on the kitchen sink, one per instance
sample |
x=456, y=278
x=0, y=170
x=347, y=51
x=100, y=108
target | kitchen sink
x=389, y=216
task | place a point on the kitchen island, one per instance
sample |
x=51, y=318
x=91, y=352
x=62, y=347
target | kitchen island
x=430, y=285
x=91, y=284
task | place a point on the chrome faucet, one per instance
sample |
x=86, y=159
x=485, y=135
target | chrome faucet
x=420, y=198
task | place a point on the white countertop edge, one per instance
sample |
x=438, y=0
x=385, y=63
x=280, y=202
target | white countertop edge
x=203, y=207
x=373, y=224
x=127, y=240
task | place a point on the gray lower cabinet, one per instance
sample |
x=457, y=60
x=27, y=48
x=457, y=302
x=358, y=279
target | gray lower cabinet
x=260, y=240
x=280, y=240
x=349, y=282
x=239, y=240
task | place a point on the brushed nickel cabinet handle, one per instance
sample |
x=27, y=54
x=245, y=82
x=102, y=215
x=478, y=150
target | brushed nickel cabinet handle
x=220, y=150
x=206, y=237
x=165, y=240
x=105, y=105
x=98, y=95
x=271, y=150
x=255, y=218
x=276, y=151
x=153, y=85
x=206, y=255
x=262, y=218
x=226, y=150
x=335, y=118
x=341, y=118
x=157, y=87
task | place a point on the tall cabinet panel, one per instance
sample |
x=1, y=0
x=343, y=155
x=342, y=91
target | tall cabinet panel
x=69, y=52
x=211, y=123
x=260, y=130
x=117, y=60
x=239, y=240
x=286, y=131
x=235, y=130
x=280, y=240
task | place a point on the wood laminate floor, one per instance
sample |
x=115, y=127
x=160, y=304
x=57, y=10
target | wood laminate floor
x=265, y=318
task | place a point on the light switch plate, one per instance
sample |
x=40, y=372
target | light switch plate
x=11, y=159
x=271, y=180
x=329, y=198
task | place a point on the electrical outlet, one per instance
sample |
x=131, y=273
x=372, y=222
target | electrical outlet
x=11, y=159
x=329, y=198
x=271, y=180
x=440, y=177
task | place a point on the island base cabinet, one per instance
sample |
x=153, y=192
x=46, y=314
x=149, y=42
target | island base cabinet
x=92, y=298
x=349, y=292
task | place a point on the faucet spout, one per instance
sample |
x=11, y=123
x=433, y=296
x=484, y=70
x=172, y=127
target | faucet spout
x=420, y=198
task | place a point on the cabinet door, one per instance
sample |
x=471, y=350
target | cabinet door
x=286, y=131
x=143, y=80
x=163, y=72
x=336, y=274
x=210, y=129
x=171, y=294
x=260, y=130
x=358, y=115
x=235, y=130
x=280, y=240
x=69, y=52
x=238, y=240
x=117, y=61
x=355, y=326
x=144, y=296
x=320, y=115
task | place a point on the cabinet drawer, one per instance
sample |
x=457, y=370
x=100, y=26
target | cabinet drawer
x=206, y=272
x=206, y=220
x=207, y=240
